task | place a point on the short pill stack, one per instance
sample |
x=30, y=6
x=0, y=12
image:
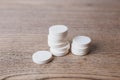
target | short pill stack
x=80, y=45
x=57, y=40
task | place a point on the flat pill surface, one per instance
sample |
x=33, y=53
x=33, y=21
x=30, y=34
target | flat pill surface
x=82, y=40
x=41, y=57
x=58, y=29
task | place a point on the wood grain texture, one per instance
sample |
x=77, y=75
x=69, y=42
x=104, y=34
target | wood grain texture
x=24, y=28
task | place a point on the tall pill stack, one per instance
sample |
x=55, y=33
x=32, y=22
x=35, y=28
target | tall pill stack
x=80, y=45
x=57, y=40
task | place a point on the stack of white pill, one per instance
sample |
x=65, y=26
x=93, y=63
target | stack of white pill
x=59, y=45
x=57, y=40
x=80, y=45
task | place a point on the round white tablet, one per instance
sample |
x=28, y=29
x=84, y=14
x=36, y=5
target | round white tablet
x=56, y=45
x=57, y=38
x=79, y=52
x=62, y=49
x=75, y=46
x=57, y=53
x=58, y=30
x=82, y=41
x=56, y=41
x=42, y=57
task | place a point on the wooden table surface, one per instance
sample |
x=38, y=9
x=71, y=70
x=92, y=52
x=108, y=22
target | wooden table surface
x=24, y=28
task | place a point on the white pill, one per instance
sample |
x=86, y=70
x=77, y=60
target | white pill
x=82, y=41
x=75, y=46
x=56, y=45
x=61, y=49
x=57, y=38
x=79, y=52
x=58, y=30
x=42, y=57
x=57, y=53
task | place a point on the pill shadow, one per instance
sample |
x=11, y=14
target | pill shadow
x=51, y=60
x=93, y=48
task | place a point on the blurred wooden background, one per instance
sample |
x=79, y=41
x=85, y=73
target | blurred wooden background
x=24, y=27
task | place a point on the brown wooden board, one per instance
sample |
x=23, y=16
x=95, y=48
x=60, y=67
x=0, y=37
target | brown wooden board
x=24, y=28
